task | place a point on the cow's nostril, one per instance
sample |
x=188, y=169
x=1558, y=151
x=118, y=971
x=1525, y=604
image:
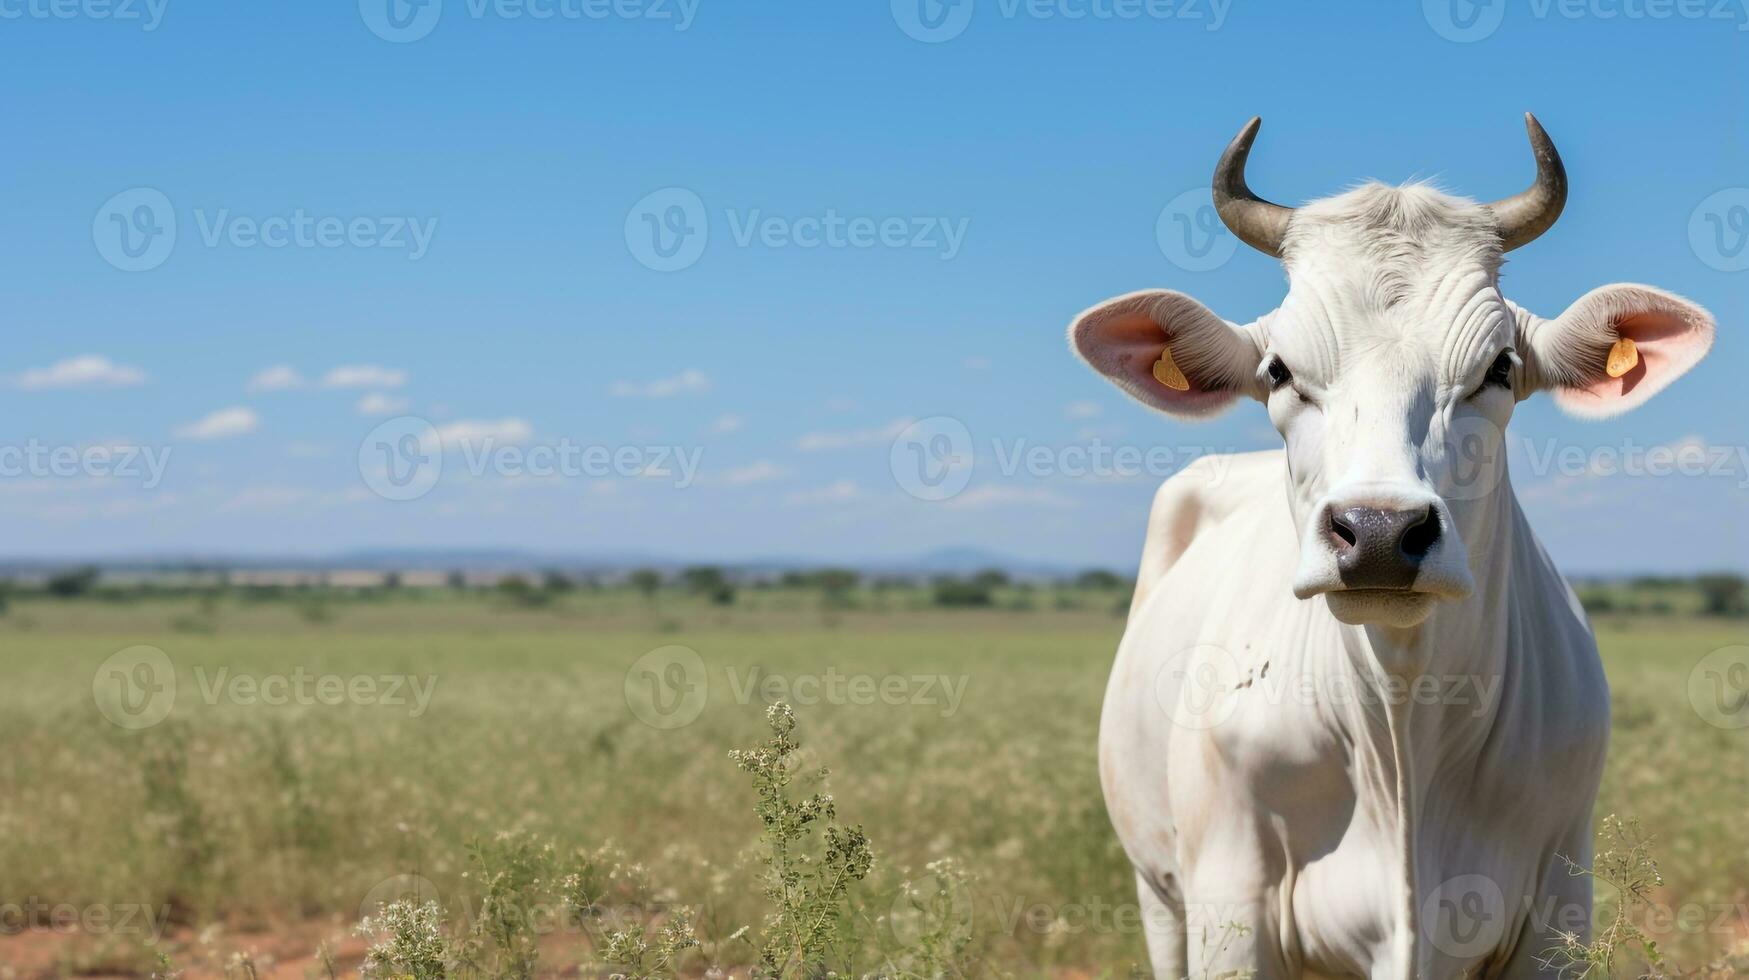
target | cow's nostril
x=1381, y=548
x=1342, y=531
x=1420, y=539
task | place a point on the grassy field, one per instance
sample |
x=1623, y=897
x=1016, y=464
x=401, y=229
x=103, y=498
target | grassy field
x=412, y=726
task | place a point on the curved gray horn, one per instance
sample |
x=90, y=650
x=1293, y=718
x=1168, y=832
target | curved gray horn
x=1257, y=222
x=1529, y=213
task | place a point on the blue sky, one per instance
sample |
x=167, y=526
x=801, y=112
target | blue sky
x=942, y=208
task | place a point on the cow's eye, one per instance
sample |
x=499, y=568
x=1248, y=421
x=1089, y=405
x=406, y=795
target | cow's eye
x=1500, y=372
x=1278, y=373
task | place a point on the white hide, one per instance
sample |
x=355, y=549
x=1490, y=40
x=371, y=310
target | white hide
x=1319, y=781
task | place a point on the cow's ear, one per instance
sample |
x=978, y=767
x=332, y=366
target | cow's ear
x=1124, y=338
x=1570, y=354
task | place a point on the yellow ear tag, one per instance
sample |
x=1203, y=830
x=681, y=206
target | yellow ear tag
x=1623, y=357
x=1166, y=372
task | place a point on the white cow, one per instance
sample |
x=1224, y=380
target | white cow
x=1367, y=755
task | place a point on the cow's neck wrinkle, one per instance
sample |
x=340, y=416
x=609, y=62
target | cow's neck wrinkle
x=1463, y=643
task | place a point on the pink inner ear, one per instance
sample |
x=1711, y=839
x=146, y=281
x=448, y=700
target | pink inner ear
x=1668, y=344
x=1662, y=342
x=1123, y=343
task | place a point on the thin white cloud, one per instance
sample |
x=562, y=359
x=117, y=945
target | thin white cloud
x=280, y=377
x=364, y=376
x=377, y=403
x=724, y=424
x=283, y=497
x=267, y=498
x=222, y=424
x=762, y=471
x=84, y=371
x=475, y=432
x=1082, y=410
x=818, y=441
x=838, y=492
x=689, y=381
x=993, y=496
x=1570, y=492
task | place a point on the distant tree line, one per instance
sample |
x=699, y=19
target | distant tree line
x=1724, y=594
x=1721, y=594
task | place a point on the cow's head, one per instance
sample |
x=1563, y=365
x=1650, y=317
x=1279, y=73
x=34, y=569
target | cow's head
x=1391, y=369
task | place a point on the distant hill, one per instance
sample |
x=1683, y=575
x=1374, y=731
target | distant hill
x=945, y=561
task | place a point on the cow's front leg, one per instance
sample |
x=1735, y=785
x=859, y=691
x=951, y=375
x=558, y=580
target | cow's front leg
x=1225, y=938
x=1562, y=907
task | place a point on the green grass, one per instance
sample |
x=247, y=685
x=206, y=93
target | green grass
x=260, y=815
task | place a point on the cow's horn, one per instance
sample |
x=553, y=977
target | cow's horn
x=1529, y=213
x=1257, y=222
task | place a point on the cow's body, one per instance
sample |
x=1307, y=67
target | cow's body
x=1294, y=814
x=1358, y=721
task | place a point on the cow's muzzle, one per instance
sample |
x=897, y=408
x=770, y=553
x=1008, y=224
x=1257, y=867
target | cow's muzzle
x=1382, y=555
